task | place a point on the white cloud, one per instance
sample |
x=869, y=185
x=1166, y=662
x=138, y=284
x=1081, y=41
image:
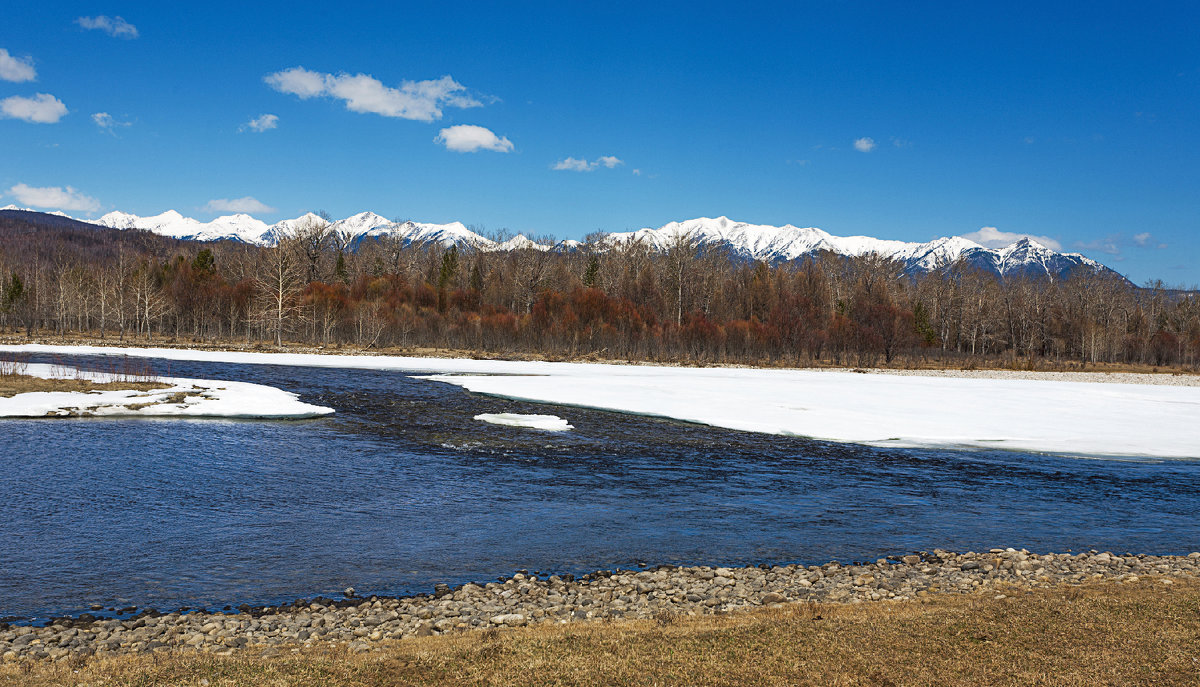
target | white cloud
x=298, y=81
x=54, y=197
x=1142, y=239
x=572, y=164
x=865, y=144
x=991, y=237
x=107, y=122
x=247, y=204
x=42, y=108
x=113, y=26
x=468, y=138
x=15, y=68
x=420, y=100
x=261, y=124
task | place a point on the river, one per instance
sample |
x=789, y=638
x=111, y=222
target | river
x=401, y=488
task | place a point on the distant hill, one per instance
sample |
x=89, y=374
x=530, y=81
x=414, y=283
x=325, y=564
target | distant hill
x=51, y=220
x=26, y=232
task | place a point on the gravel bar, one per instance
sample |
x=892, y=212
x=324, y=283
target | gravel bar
x=363, y=624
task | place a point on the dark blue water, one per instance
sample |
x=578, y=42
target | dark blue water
x=401, y=488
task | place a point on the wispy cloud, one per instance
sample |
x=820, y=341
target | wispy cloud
x=54, y=198
x=991, y=237
x=1115, y=244
x=108, y=123
x=261, y=124
x=865, y=144
x=16, y=69
x=42, y=108
x=1147, y=240
x=572, y=164
x=113, y=26
x=247, y=204
x=468, y=138
x=420, y=100
x=1110, y=244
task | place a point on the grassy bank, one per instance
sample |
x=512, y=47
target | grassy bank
x=13, y=384
x=1146, y=633
x=933, y=361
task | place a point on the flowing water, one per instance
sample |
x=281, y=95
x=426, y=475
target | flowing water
x=401, y=488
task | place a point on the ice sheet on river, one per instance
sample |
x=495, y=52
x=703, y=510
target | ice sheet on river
x=197, y=398
x=548, y=423
x=1089, y=418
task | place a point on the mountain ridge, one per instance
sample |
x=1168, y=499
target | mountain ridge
x=753, y=242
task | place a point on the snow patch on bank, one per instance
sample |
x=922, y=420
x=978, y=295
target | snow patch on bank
x=549, y=423
x=195, y=398
x=1068, y=417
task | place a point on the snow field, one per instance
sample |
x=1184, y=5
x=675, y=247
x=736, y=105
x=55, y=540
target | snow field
x=1069, y=417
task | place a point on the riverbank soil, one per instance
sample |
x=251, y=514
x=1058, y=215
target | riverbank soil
x=1099, y=633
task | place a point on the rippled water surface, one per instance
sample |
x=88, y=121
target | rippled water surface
x=401, y=488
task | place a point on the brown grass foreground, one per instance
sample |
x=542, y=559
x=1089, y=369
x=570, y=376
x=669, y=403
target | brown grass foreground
x=1099, y=634
x=13, y=384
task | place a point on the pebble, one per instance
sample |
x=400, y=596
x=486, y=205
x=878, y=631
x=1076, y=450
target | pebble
x=362, y=624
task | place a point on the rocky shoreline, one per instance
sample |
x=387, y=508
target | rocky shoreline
x=663, y=593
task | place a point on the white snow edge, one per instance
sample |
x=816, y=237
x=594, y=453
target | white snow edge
x=548, y=423
x=203, y=399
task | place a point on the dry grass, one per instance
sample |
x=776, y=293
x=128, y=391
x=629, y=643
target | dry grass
x=930, y=363
x=1102, y=634
x=13, y=384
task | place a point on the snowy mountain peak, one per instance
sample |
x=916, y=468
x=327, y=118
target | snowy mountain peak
x=237, y=218
x=520, y=242
x=356, y=225
x=118, y=220
x=1025, y=243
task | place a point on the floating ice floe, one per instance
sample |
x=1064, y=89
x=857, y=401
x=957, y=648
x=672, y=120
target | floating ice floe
x=549, y=423
x=1067, y=417
x=195, y=398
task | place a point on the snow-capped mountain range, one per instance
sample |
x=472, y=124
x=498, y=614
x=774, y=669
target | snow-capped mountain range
x=745, y=241
x=774, y=244
x=350, y=231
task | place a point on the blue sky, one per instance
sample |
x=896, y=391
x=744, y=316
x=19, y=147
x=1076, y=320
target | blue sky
x=903, y=121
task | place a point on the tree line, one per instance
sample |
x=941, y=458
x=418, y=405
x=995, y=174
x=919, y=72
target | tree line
x=684, y=303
